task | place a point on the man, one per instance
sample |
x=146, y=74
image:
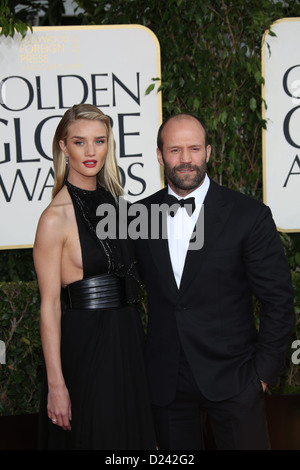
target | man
x=203, y=350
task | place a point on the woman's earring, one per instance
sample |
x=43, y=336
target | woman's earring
x=67, y=160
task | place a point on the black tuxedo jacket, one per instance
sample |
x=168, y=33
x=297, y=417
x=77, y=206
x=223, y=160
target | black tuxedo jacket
x=211, y=315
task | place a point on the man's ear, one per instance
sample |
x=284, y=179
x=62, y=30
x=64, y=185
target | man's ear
x=208, y=152
x=159, y=157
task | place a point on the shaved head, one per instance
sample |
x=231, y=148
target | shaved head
x=179, y=117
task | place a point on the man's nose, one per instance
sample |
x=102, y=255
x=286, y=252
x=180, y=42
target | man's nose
x=186, y=156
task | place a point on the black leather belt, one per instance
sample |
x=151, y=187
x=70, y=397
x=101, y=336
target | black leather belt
x=97, y=292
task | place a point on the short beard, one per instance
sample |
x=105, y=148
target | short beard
x=183, y=182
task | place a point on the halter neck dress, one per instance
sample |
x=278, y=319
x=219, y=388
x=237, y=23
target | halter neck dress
x=102, y=345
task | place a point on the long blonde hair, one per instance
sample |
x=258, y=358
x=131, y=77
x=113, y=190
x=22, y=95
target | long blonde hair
x=109, y=176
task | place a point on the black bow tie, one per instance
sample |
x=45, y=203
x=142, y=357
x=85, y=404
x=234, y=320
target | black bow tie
x=188, y=204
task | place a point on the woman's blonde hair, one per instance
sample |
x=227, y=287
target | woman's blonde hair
x=109, y=176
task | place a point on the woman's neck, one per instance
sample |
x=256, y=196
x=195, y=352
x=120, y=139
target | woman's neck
x=89, y=183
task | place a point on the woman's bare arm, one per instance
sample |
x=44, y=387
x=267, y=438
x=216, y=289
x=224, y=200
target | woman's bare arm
x=47, y=253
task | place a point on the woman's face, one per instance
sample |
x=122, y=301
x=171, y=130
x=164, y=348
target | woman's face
x=86, y=148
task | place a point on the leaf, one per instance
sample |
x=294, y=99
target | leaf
x=258, y=78
x=25, y=340
x=253, y=104
x=223, y=117
x=196, y=103
x=149, y=89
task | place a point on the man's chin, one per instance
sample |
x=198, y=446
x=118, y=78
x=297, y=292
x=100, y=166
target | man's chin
x=187, y=184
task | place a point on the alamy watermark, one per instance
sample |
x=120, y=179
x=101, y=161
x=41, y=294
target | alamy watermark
x=2, y=353
x=296, y=354
x=137, y=221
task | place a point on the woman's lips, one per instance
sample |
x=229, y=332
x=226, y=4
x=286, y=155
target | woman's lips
x=90, y=163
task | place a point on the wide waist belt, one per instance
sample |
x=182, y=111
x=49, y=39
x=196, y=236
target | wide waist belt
x=97, y=292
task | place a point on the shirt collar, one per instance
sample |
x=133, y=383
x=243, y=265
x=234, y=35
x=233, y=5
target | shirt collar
x=199, y=193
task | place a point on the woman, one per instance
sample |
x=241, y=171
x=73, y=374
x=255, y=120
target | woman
x=96, y=395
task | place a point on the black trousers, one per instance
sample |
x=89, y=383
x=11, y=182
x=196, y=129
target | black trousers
x=238, y=423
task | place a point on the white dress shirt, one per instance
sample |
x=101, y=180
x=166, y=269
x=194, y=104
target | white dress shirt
x=181, y=226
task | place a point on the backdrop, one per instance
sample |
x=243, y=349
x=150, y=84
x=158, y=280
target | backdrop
x=43, y=75
x=281, y=139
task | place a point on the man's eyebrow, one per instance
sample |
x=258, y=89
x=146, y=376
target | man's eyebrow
x=178, y=145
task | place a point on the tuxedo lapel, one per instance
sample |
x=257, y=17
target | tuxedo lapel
x=161, y=257
x=216, y=212
x=160, y=252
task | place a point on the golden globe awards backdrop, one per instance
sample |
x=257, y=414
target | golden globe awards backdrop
x=43, y=75
x=281, y=139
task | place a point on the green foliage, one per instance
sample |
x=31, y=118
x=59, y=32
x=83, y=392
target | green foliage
x=18, y=16
x=17, y=265
x=20, y=377
x=10, y=22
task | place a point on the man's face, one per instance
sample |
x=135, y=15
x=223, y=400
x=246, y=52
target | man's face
x=184, y=155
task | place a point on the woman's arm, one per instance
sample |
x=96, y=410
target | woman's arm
x=47, y=254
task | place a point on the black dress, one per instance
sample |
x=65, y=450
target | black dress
x=101, y=348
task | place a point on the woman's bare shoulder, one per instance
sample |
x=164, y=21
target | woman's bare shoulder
x=56, y=215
